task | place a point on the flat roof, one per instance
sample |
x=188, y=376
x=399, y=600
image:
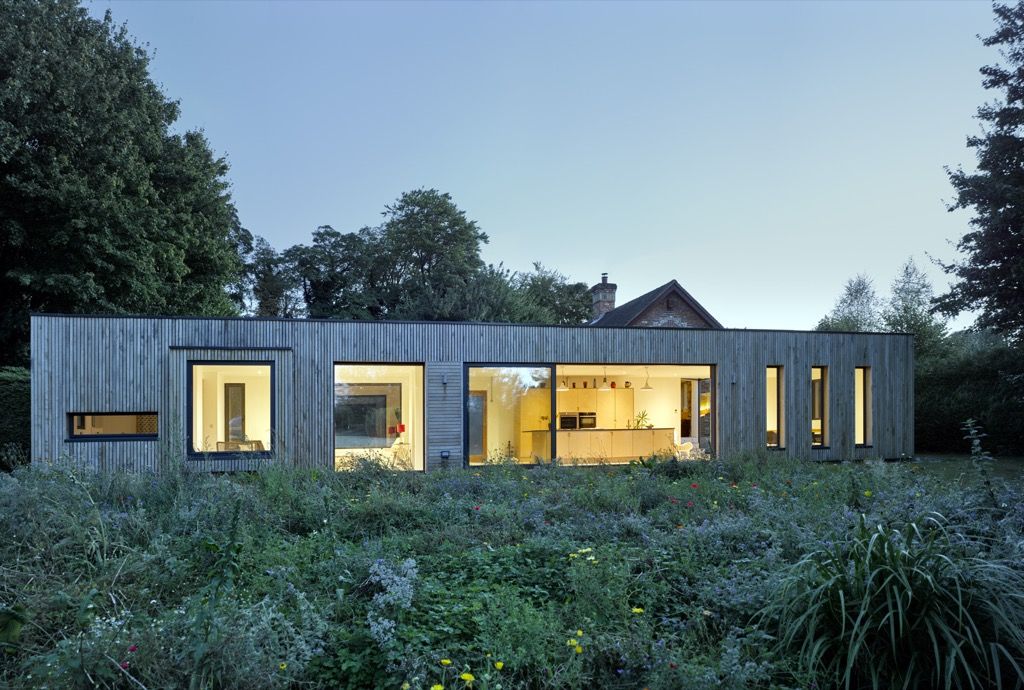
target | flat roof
x=583, y=326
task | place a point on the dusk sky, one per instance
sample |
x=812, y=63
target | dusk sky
x=760, y=153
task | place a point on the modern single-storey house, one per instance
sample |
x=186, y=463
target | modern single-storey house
x=657, y=375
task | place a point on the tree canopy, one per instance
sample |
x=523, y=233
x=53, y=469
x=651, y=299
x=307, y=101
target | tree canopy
x=857, y=308
x=990, y=274
x=103, y=208
x=423, y=262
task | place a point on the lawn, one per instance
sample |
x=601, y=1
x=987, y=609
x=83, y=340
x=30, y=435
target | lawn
x=666, y=575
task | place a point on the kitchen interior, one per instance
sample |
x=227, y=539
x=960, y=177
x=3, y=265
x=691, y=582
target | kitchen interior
x=602, y=414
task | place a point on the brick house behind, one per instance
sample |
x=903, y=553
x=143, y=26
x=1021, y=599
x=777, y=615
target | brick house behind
x=668, y=306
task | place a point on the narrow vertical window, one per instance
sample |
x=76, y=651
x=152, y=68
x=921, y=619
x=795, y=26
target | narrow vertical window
x=819, y=407
x=775, y=428
x=862, y=406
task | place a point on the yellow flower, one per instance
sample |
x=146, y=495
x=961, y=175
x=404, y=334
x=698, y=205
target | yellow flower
x=446, y=662
x=468, y=678
x=283, y=665
x=579, y=633
x=637, y=609
x=574, y=555
x=586, y=550
x=406, y=686
x=867, y=493
x=579, y=649
x=436, y=686
x=571, y=642
x=499, y=665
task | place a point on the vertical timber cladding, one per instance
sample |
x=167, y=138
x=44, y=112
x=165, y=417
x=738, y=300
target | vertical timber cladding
x=97, y=364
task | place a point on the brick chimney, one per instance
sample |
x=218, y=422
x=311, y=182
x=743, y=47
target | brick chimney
x=602, y=297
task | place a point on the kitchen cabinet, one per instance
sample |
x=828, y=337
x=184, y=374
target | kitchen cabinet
x=586, y=400
x=623, y=414
x=601, y=445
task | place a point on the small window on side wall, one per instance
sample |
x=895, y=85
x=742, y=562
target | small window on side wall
x=231, y=407
x=775, y=428
x=107, y=425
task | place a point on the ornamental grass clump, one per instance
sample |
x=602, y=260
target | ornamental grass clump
x=917, y=607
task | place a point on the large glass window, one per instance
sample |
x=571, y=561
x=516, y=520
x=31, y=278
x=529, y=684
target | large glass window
x=617, y=413
x=862, y=406
x=508, y=414
x=775, y=428
x=819, y=406
x=231, y=407
x=138, y=425
x=378, y=414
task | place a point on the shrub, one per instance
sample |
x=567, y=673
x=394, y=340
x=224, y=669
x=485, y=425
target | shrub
x=918, y=607
x=15, y=422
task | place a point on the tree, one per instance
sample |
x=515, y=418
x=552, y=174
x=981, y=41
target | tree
x=273, y=284
x=991, y=274
x=909, y=310
x=857, y=308
x=563, y=302
x=422, y=263
x=435, y=252
x=102, y=208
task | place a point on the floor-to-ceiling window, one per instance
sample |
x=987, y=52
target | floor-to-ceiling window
x=231, y=407
x=774, y=427
x=819, y=406
x=508, y=414
x=617, y=413
x=378, y=414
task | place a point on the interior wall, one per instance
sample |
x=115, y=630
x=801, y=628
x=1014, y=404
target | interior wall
x=208, y=403
x=411, y=451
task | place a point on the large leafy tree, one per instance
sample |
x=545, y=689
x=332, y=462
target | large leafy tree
x=103, y=208
x=422, y=263
x=990, y=275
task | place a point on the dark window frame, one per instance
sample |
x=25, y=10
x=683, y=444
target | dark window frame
x=423, y=400
x=866, y=409
x=71, y=437
x=552, y=386
x=780, y=411
x=825, y=435
x=199, y=455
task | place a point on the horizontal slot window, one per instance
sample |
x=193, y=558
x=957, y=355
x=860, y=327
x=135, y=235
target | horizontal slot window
x=112, y=425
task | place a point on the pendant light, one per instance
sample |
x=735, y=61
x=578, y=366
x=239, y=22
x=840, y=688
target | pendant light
x=647, y=382
x=604, y=383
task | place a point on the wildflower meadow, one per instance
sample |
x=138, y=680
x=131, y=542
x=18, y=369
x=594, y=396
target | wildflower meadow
x=753, y=572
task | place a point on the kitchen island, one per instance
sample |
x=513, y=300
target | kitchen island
x=608, y=445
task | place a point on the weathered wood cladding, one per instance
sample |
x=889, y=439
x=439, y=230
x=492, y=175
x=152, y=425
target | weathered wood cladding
x=99, y=364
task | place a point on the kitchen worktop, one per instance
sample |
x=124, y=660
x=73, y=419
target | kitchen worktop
x=653, y=428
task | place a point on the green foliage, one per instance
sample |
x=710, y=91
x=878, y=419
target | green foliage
x=976, y=375
x=855, y=310
x=15, y=401
x=990, y=275
x=912, y=607
x=422, y=263
x=103, y=208
x=909, y=310
x=369, y=578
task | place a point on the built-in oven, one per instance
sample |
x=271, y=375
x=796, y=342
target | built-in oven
x=588, y=420
x=568, y=421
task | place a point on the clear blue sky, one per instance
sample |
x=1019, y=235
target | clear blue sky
x=761, y=153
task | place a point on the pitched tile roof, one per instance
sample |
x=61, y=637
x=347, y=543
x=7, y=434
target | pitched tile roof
x=631, y=310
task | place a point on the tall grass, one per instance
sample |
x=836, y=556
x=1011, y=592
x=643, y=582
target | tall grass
x=917, y=607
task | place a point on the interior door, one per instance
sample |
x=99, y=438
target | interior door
x=476, y=412
x=234, y=412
